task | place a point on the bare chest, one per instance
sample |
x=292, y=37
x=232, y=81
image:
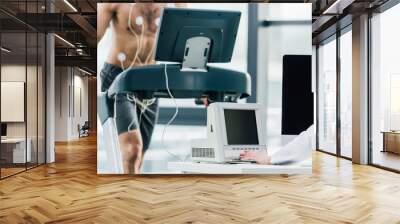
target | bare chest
x=131, y=21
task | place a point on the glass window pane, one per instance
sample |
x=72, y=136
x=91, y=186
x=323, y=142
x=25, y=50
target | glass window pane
x=22, y=89
x=31, y=96
x=13, y=86
x=41, y=99
x=346, y=94
x=385, y=89
x=327, y=96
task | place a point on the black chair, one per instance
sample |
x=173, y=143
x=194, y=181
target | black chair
x=84, y=130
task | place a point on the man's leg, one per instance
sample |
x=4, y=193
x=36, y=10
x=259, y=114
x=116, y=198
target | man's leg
x=131, y=147
x=148, y=119
x=129, y=136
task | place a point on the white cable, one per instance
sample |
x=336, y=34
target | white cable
x=166, y=80
x=141, y=39
x=122, y=66
x=143, y=106
x=121, y=58
x=117, y=162
x=148, y=58
x=173, y=117
x=133, y=120
x=134, y=33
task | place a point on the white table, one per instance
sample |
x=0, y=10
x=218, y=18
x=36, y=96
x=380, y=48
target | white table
x=274, y=144
x=19, y=155
x=213, y=168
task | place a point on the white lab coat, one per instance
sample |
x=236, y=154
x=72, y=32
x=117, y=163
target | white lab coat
x=297, y=150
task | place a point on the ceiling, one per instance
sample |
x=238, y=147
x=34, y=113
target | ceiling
x=332, y=15
x=75, y=22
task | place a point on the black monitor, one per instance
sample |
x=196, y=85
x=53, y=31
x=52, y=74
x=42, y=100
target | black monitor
x=178, y=25
x=3, y=129
x=241, y=127
x=297, y=95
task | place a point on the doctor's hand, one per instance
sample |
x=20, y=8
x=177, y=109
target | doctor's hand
x=261, y=157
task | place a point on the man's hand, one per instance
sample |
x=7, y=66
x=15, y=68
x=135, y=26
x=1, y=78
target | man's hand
x=261, y=157
x=205, y=101
x=202, y=101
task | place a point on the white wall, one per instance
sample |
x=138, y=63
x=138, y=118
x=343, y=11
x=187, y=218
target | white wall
x=61, y=103
x=274, y=41
x=68, y=81
x=17, y=73
x=80, y=82
x=14, y=73
x=34, y=124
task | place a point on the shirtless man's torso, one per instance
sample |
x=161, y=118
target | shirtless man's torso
x=144, y=21
x=134, y=28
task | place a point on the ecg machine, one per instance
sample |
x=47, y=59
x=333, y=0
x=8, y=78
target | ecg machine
x=231, y=128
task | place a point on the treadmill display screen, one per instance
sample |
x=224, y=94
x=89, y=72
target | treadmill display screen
x=241, y=127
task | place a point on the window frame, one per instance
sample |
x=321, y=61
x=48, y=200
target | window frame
x=333, y=37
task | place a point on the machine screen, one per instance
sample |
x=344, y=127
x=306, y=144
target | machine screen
x=241, y=127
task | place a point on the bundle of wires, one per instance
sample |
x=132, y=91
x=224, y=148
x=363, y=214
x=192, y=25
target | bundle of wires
x=145, y=104
x=139, y=21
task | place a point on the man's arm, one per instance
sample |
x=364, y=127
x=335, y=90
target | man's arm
x=104, y=15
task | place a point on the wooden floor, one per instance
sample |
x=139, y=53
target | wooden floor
x=386, y=159
x=10, y=171
x=70, y=191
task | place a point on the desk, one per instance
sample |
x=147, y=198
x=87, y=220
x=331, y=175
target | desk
x=280, y=153
x=213, y=168
x=13, y=150
x=391, y=141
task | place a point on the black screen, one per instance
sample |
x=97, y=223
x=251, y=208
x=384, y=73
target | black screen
x=241, y=127
x=178, y=24
x=297, y=96
x=3, y=129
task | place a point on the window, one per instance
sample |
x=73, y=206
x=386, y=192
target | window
x=394, y=102
x=346, y=94
x=327, y=96
x=22, y=77
x=385, y=89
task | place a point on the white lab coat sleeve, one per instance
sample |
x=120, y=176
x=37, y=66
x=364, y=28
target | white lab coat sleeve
x=297, y=150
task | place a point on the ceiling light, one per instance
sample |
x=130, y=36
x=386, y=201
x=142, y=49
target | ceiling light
x=70, y=5
x=65, y=41
x=84, y=71
x=5, y=50
x=338, y=6
x=79, y=51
